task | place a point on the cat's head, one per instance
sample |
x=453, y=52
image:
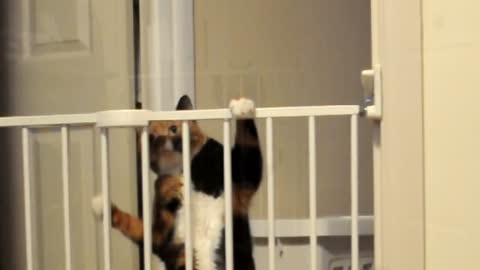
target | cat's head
x=166, y=141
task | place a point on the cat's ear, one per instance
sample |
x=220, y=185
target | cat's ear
x=184, y=103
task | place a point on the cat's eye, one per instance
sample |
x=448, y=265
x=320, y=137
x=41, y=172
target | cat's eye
x=173, y=129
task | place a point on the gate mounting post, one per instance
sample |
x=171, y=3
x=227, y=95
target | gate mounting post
x=372, y=89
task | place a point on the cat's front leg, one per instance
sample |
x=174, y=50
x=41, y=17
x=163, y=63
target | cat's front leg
x=129, y=225
x=246, y=156
x=242, y=107
x=169, y=192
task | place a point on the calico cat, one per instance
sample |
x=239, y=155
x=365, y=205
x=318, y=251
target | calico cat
x=207, y=196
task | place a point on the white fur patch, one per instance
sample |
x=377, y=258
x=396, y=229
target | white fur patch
x=97, y=206
x=242, y=107
x=208, y=219
x=207, y=224
x=169, y=145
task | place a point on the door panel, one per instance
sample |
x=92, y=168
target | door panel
x=56, y=28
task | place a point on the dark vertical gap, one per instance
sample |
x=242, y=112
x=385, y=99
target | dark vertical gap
x=136, y=47
x=7, y=229
x=138, y=105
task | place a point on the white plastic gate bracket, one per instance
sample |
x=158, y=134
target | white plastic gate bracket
x=372, y=88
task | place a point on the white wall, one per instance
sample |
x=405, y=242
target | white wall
x=452, y=133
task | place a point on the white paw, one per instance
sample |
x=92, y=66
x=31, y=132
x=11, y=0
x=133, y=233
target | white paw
x=97, y=206
x=242, y=107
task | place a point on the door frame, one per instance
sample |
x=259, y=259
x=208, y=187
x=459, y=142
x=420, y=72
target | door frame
x=398, y=139
x=166, y=64
x=167, y=58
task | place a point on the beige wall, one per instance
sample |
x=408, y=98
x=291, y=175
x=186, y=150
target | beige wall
x=452, y=132
x=291, y=53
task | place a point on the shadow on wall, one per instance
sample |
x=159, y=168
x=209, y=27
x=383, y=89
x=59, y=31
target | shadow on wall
x=7, y=240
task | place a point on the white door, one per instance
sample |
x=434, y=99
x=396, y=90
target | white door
x=72, y=57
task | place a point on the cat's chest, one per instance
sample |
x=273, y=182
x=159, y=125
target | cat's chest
x=207, y=222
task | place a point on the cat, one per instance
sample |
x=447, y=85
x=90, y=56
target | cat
x=207, y=195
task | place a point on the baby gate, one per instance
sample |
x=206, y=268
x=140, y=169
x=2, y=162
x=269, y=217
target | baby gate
x=140, y=118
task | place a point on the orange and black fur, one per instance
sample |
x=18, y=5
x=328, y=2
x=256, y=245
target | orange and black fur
x=167, y=199
x=207, y=179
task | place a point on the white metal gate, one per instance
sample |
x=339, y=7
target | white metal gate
x=140, y=118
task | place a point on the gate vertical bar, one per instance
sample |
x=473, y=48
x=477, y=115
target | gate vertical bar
x=187, y=194
x=66, y=195
x=147, y=218
x=354, y=190
x=27, y=196
x=107, y=218
x=227, y=163
x=312, y=166
x=271, y=196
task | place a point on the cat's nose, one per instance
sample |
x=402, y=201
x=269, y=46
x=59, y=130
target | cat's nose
x=156, y=143
x=177, y=144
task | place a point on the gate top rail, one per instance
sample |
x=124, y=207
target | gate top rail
x=133, y=118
